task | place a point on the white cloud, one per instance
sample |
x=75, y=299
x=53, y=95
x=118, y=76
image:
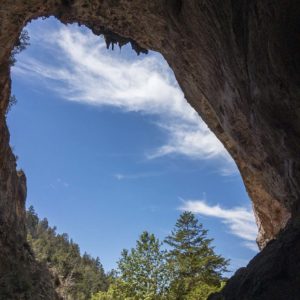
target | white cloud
x=192, y=140
x=62, y=183
x=82, y=70
x=59, y=183
x=240, y=220
x=251, y=245
x=121, y=176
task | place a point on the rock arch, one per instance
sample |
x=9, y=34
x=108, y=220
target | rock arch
x=238, y=65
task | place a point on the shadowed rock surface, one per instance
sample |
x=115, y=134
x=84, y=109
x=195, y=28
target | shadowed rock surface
x=238, y=65
x=271, y=275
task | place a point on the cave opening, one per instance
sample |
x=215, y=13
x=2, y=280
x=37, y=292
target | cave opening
x=238, y=65
x=106, y=137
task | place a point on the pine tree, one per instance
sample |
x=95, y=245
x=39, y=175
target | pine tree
x=32, y=221
x=75, y=276
x=191, y=258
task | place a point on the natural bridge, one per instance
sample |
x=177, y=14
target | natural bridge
x=237, y=62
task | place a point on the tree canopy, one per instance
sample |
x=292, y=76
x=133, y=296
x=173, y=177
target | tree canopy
x=188, y=270
x=192, y=260
x=183, y=267
x=76, y=276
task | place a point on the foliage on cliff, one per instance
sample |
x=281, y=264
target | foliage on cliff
x=76, y=276
x=21, y=44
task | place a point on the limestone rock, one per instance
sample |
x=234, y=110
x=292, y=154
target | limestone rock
x=237, y=62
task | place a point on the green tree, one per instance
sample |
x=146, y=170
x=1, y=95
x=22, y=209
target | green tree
x=116, y=291
x=142, y=271
x=21, y=44
x=11, y=102
x=195, y=268
x=75, y=276
x=32, y=221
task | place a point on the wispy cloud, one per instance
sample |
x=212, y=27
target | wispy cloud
x=251, y=245
x=62, y=183
x=122, y=176
x=82, y=70
x=58, y=183
x=240, y=220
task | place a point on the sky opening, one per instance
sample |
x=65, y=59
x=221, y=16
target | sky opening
x=111, y=147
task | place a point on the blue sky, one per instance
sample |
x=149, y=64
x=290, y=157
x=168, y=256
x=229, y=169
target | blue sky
x=110, y=147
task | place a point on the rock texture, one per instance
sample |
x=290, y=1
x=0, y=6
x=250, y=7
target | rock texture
x=271, y=275
x=238, y=64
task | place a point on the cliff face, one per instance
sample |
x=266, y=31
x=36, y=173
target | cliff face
x=238, y=65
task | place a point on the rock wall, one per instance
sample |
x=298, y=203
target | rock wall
x=272, y=275
x=236, y=61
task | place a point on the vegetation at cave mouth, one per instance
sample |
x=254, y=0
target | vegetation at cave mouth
x=182, y=267
x=76, y=276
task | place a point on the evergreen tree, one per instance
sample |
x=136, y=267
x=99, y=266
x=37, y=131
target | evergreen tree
x=32, y=221
x=75, y=276
x=192, y=261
